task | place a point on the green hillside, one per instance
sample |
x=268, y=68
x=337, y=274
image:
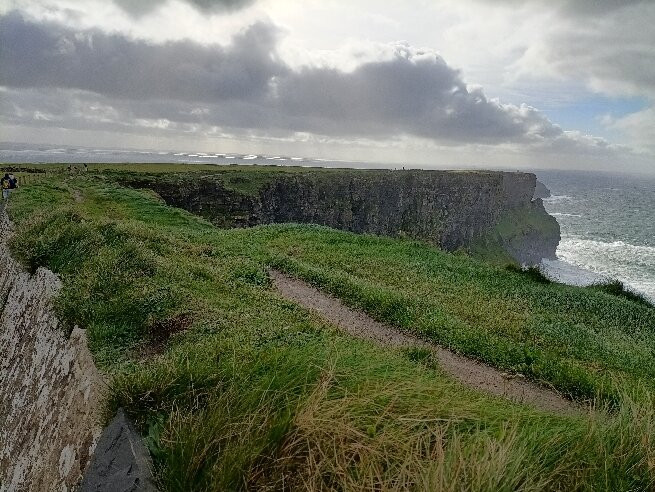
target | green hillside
x=236, y=388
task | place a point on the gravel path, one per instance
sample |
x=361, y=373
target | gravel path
x=468, y=371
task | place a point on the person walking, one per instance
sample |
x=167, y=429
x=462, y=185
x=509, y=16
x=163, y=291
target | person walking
x=6, y=185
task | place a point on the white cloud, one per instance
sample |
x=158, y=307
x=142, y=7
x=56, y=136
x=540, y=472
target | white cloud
x=638, y=128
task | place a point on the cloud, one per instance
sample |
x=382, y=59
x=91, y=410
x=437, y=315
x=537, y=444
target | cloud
x=415, y=92
x=101, y=79
x=574, y=7
x=48, y=55
x=638, y=127
x=607, y=45
x=141, y=7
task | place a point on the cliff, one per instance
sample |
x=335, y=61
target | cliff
x=541, y=191
x=489, y=212
x=49, y=385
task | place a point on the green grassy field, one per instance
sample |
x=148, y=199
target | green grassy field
x=236, y=388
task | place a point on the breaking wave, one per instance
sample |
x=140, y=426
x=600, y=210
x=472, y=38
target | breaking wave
x=632, y=264
x=559, y=214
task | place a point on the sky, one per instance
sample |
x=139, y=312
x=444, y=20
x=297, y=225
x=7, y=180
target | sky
x=484, y=83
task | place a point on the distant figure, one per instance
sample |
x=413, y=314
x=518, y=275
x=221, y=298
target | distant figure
x=13, y=182
x=86, y=167
x=5, y=183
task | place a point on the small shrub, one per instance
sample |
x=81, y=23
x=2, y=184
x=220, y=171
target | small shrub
x=618, y=288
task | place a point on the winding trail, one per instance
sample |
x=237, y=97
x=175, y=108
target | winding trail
x=468, y=371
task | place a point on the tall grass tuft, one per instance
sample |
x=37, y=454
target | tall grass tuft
x=618, y=288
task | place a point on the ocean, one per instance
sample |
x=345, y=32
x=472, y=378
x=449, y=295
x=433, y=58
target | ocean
x=32, y=153
x=608, y=227
x=607, y=219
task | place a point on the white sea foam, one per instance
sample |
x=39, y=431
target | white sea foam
x=619, y=249
x=632, y=264
x=567, y=273
x=557, y=198
x=558, y=214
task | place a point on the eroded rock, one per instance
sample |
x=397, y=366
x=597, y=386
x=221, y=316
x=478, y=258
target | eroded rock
x=121, y=462
x=49, y=385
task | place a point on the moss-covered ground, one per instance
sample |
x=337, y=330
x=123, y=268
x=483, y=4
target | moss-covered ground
x=236, y=388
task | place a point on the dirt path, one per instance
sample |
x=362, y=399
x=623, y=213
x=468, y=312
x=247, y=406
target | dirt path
x=465, y=370
x=76, y=194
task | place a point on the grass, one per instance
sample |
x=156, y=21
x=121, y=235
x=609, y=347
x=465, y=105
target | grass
x=617, y=288
x=534, y=273
x=253, y=392
x=580, y=340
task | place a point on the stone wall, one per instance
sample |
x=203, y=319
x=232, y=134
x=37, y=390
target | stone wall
x=49, y=386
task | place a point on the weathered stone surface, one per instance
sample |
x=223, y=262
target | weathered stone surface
x=121, y=462
x=541, y=191
x=49, y=386
x=453, y=209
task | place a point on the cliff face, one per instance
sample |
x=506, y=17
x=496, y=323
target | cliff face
x=48, y=384
x=450, y=209
x=541, y=191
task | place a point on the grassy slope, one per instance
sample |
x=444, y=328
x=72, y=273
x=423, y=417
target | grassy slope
x=259, y=393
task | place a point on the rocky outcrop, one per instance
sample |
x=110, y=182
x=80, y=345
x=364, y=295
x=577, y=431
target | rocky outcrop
x=49, y=386
x=528, y=234
x=541, y=191
x=448, y=208
x=121, y=462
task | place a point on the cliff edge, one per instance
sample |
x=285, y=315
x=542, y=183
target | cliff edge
x=49, y=385
x=487, y=212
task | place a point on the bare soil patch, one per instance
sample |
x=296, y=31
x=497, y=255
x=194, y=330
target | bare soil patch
x=160, y=332
x=468, y=371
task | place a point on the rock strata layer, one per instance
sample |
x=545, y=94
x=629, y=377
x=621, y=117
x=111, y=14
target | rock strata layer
x=452, y=209
x=49, y=385
x=541, y=191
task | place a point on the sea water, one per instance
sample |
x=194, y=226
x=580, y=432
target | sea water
x=607, y=222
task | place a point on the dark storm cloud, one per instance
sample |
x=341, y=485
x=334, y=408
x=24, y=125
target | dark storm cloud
x=48, y=55
x=575, y=7
x=586, y=7
x=141, y=7
x=413, y=93
x=244, y=85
